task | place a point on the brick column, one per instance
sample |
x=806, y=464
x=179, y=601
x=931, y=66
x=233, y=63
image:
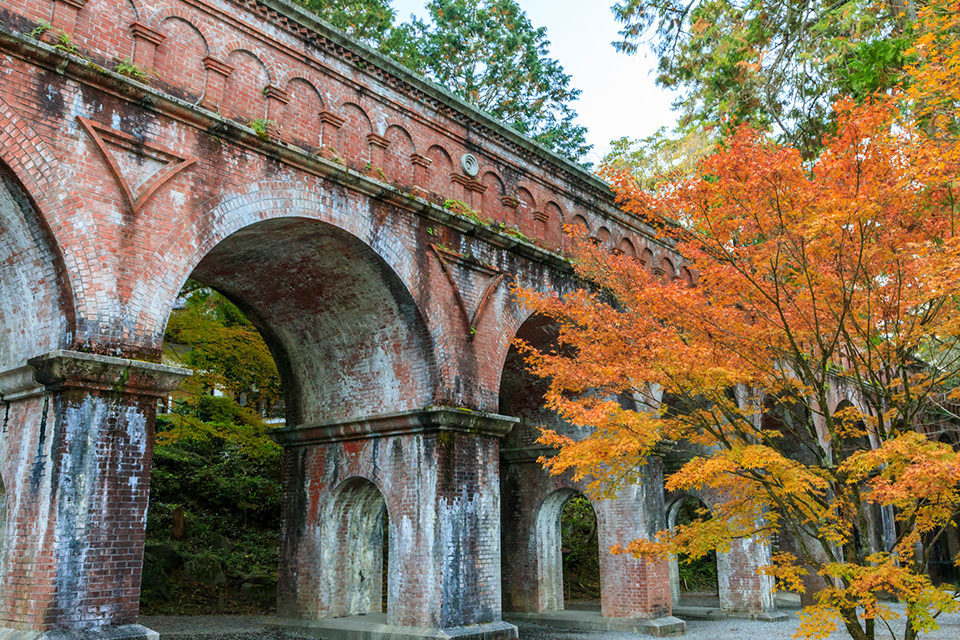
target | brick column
x=511, y=208
x=65, y=14
x=217, y=73
x=330, y=124
x=77, y=486
x=378, y=147
x=145, y=43
x=740, y=587
x=277, y=100
x=421, y=170
x=437, y=473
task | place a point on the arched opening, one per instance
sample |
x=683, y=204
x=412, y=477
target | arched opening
x=346, y=340
x=693, y=581
x=580, y=546
x=567, y=519
x=355, y=543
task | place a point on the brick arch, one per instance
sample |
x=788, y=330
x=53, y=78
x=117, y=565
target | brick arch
x=491, y=205
x=301, y=120
x=91, y=29
x=32, y=168
x=440, y=169
x=179, y=58
x=243, y=93
x=353, y=142
x=398, y=166
x=201, y=231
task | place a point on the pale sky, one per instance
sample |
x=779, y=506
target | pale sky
x=619, y=96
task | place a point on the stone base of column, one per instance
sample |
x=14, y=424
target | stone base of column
x=716, y=613
x=374, y=627
x=123, y=632
x=587, y=620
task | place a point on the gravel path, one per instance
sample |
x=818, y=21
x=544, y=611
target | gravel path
x=740, y=630
x=244, y=627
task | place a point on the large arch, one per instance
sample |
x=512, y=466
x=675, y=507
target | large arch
x=348, y=338
x=35, y=305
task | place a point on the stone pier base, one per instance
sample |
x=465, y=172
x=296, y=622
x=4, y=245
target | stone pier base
x=592, y=621
x=374, y=627
x=122, y=632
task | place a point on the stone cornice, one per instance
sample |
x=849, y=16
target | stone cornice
x=473, y=117
x=428, y=420
x=18, y=384
x=526, y=454
x=62, y=369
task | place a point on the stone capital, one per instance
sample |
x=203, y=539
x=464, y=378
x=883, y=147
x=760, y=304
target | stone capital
x=428, y=420
x=510, y=202
x=276, y=93
x=377, y=140
x=329, y=117
x=217, y=66
x=62, y=369
x=420, y=161
x=142, y=31
x=77, y=4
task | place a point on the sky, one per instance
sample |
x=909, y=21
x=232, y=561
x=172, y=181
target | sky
x=620, y=97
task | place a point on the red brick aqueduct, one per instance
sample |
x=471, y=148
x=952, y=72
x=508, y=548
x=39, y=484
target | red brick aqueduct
x=302, y=175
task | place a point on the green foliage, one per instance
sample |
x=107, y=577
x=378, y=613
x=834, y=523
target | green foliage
x=38, y=31
x=222, y=347
x=774, y=63
x=581, y=550
x=215, y=462
x=370, y=21
x=131, y=70
x=489, y=53
x=261, y=126
x=659, y=157
x=65, y=44
x=696, y=574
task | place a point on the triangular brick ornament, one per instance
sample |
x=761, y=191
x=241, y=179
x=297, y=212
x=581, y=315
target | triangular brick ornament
x=496, y=277
x=139, y=167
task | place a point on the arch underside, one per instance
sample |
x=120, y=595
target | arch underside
x=348, y=338
x=32, y=316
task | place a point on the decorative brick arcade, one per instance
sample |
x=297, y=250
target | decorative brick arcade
x=305, y=177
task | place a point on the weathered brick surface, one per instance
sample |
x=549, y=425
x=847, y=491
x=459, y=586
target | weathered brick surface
x=328, y=228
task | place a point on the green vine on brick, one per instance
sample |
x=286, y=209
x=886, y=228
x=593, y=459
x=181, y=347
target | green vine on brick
x=42, y=27
x=65, y=43
x=130, y=69
x=261, y=126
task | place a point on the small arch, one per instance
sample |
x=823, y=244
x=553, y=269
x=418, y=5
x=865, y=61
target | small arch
x=669, y=273
x=603, y=236
x=492, y=202
x=398, y=167
x=687, y=276
x=525, y=210
x=549, y=537
x=441, y=166
x=646, y=258
x=243, y=95
x=579, y=221
x=626, y=248
x=552, y=232
x=353, y=142
x=92, y=31
x=354, y=525
x=301, y=120
x=702, y=578
x=179, y=58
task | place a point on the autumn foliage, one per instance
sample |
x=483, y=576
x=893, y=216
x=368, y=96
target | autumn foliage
x=808, y=378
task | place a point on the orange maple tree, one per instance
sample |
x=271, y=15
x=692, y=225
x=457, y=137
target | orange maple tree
x=816, y=282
